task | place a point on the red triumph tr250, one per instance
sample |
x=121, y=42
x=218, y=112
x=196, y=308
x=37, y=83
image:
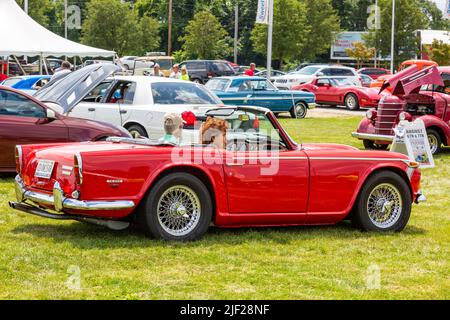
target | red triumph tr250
x=256, y=176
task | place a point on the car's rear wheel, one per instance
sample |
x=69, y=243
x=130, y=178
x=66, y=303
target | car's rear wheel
x=435, y=141
x=383, y=204
x=351, y=102
x=369, y=144
x=137, y=131
x=178, y=207
x=299, y=110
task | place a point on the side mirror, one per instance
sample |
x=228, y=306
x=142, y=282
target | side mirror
x=51, y=115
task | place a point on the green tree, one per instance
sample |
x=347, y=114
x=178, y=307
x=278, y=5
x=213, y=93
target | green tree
x=353, y=13
x=290, y=31
x=113, y=25
x=406, y=43
x=439, y=52
x=39, y=10
x=323, y=22
x=435, y=16
x=205, y=38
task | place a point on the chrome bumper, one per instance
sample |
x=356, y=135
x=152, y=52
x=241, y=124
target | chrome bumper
x=372, y=136
x=60, y=202
x=312, y=105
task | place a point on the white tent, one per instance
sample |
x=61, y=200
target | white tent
x=21, y=35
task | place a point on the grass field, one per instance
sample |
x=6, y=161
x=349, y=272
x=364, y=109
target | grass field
x=41, y=259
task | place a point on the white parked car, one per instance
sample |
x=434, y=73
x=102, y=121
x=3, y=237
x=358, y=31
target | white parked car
x=311, y=72
x=137, y=103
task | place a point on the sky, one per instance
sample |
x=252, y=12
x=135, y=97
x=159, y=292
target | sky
x=440, y=3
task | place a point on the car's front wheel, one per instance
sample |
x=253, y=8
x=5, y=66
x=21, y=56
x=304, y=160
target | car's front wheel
x=351, y=102
x=299, y=110
x=434, y=140
x=137, y=131
x=383, y=204
x=178, y=207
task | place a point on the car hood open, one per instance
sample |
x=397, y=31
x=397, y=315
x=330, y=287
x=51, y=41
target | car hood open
x=71, y=89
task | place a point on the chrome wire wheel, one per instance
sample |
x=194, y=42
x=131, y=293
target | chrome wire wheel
x=433, y=142
x=384, y=205
x=179, y=210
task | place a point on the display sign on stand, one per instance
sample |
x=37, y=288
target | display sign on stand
x=411, y=139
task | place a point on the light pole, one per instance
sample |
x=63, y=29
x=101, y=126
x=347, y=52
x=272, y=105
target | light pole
x=169, y=37
x=392, y=36
x=65, y=19
x=269, y=40
x=25, y=6
x=236, y=26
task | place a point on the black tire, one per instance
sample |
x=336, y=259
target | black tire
x=153, y=224
x=137, y=131
x=351, y=102
x=396, y=187
x=299, y=111
x=435, y=141
x=369, y=144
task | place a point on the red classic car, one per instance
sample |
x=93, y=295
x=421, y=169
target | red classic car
x=423, y=94
x=374, y=73
x=259, y=178
x=26, y=120
x=340, y=91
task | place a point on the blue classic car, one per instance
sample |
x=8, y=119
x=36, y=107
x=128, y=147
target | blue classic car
x=258, y=91
x=27, y=84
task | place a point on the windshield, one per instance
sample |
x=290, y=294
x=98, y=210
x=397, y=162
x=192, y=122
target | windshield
x=182, y=93
x=217, y=84
x=308, y=70
x=10, y=82
x=165, y=64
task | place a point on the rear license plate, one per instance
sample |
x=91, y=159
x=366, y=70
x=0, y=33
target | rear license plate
x=44, y=169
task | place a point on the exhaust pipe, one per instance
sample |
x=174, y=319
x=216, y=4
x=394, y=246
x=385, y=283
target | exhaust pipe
x=115, y=225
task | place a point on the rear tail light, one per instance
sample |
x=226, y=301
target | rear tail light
x=78, y=168
x=18, y=156
x=189, y=118
x=210, y=74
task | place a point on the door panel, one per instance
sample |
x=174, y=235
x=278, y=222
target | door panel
x=270, y=184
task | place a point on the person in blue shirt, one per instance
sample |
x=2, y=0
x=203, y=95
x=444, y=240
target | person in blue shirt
x=173, y=128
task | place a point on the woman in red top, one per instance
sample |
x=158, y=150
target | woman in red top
x=251, y=72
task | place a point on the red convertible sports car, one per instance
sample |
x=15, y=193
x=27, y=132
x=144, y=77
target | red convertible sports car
x=340, y=91
x=245, y=172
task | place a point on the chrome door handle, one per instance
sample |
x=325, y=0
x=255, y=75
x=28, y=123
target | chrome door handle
x=123, y=111
x=91, y=109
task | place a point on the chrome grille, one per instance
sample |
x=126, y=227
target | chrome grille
x=386, y=116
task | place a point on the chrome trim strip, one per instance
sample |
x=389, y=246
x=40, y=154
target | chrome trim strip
x=59, y=202
x=362, y=159
x=270, y=158
x=372, y=136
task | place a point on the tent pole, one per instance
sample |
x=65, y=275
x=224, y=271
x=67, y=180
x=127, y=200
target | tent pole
x=20, y=66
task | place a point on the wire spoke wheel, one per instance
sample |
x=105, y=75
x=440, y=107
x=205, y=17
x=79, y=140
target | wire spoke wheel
x=433, y=141
x=179, y=210
x=384, y=205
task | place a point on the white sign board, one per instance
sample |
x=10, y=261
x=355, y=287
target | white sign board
x=411, y=139
x=262, y=13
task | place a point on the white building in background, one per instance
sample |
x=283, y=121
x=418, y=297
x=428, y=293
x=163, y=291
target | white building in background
x=444, y=5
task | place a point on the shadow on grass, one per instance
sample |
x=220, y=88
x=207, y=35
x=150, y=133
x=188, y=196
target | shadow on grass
x=87, y=236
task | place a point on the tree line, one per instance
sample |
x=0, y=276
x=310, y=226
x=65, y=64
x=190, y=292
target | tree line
x=303, y=29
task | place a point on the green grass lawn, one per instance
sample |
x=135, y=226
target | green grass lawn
x=39, y=258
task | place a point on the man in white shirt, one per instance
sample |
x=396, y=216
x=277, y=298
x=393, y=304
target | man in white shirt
x=62, y=72
x=176, y=74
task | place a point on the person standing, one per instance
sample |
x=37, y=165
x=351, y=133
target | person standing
x=184, y=73
x=62, y=72
x=251, y=72
x=175, y=72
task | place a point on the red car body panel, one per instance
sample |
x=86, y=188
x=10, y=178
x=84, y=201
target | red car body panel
x=374, y=73
x=18, y=130
x=367, y=98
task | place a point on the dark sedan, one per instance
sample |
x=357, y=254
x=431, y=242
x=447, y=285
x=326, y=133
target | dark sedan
x=26, y=120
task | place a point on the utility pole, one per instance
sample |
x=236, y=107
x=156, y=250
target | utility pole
x=236, y=26
x=169, y=37
x=269, y=40
x=392, y=36
x=65, y=19
x=25, y=6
